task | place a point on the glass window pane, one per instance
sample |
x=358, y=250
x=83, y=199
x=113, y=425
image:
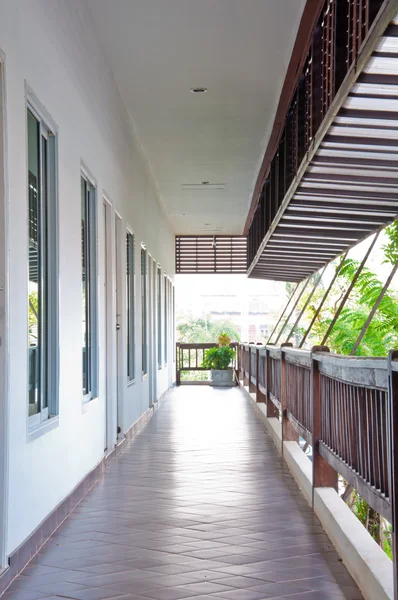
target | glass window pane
x=85, y=287
x=144, y=309
x=130, y=305
x=34, y=288
x=159, y=317
x=89, y=290
x=44, y=333
x=165, y=320
x=174, y=322
x=42, y=270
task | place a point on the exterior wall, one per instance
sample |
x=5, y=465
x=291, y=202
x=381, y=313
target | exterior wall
x=50, y=45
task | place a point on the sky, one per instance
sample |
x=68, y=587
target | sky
x=194, y=293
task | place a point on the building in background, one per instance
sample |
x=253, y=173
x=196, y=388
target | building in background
x=250, y=305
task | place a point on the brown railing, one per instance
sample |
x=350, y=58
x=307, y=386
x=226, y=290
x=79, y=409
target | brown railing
x=341, y=406
x=337, y=40
x=190, y=358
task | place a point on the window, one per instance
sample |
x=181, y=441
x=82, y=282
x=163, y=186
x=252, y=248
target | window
x=165, y=323
x=130, y=276
x=159, y=318
x=89, y=288
x=144, y=311
x=174, y=322
x=42, y=298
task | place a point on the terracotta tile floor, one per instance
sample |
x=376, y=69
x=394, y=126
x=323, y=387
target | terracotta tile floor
x=200, y=506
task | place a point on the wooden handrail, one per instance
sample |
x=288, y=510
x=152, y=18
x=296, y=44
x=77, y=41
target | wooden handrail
x=342, y=406
x=189, y=356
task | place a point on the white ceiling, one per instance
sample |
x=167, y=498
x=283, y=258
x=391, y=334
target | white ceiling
x=238, y=49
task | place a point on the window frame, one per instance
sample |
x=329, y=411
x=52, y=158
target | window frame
x=130, y=308
x=173, y=320
x=46, y=418
x=144, y=312
x=166, y=320
x=159, y=316
x=91, y=199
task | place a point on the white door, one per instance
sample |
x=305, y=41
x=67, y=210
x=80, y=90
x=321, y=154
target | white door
x=152, y=366
x=119, y=240
x=150, y=327
x=108, y=328
x=105, y=312
x=3, y=333
x=153, y=331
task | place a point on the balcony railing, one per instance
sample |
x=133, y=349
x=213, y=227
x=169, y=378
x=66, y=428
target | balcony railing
x=345, y=408
x=190, y=358
x=340, y=37
x=341, y=406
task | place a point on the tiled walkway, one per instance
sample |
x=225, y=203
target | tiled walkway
x=198, y=506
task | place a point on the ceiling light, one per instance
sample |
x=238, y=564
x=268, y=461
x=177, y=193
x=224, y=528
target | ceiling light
x=198, y=90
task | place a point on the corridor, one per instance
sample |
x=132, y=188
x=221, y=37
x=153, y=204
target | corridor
x=199, y=505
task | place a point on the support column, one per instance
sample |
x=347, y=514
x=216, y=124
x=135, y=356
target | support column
x=323, y=475
x=289, y=434
x=393, y=462
x=178, y=372
x=252, y=386
x=260, y=397
x=272, y=410
x=245, y=366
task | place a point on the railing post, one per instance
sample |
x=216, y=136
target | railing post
x=289, y=434
x=239, y=358
x=178, y=372
x=393, y=459
x=272, y=410
x=323, y=475
x=252, y=386
x=259, y=395
x=245, y=379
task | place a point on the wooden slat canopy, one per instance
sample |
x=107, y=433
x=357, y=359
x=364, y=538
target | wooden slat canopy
x=211, y=254
x=346, y=186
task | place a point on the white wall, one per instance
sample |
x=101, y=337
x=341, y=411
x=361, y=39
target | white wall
x=50, y=44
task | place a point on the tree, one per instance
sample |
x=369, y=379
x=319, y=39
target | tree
x=33, y=315
x=382, y=333
x=198, y=330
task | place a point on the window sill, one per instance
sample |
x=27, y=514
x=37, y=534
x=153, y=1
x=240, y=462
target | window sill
x=42, y=429
x=89, y=405
x=130, y=382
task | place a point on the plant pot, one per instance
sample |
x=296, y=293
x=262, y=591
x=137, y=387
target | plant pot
x=222, y=378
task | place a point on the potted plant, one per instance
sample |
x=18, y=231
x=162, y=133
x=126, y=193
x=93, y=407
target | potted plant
x=218, y=360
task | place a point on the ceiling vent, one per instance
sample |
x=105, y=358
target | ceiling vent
x=207, y=229
x=204, y=186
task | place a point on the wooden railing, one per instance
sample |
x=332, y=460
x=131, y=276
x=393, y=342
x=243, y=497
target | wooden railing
x=336, y=43
x=342, y=407
x=345, y=408
x=190, y=358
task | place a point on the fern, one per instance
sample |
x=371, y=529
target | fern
x=382, y=333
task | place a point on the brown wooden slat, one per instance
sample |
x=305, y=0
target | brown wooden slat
x=338, y=145
x=211, y=254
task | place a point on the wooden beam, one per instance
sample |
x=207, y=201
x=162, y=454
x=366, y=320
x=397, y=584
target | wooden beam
x=310, y=16
x=323, y=475
x=393, y=462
